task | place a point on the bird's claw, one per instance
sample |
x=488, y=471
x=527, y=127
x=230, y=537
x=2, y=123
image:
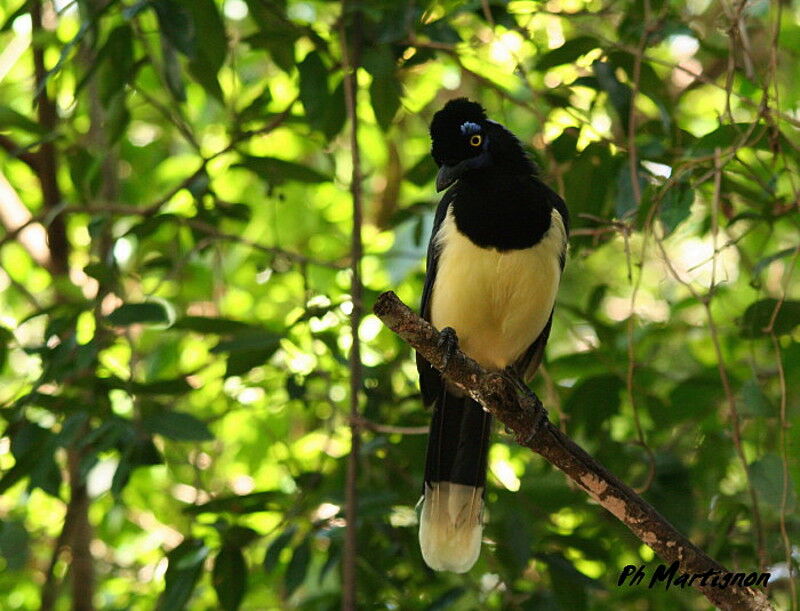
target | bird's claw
x=540, y=416
x=448, y=344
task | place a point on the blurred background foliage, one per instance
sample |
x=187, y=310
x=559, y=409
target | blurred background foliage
x=175, y=273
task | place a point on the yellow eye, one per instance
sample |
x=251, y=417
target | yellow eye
x=475, y=140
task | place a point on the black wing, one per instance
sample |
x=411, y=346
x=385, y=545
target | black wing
x=429, y=378
x=529, y=362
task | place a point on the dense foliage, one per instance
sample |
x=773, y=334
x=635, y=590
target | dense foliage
x=174, y=316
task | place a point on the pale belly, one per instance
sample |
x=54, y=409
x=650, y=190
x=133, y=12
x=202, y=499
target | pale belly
x=498, y=303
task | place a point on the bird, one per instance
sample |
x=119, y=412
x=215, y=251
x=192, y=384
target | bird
x=494, y=262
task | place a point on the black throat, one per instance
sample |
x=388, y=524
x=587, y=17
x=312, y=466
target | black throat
x=500, y=210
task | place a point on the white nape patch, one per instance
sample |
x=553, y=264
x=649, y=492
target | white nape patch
x=451, y=526
x=497, y=302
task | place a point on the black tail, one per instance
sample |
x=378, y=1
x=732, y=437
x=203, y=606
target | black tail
x=455, y=476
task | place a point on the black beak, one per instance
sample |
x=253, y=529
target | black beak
x=447, y=175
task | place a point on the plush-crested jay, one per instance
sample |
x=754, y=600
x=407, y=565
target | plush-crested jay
x=495, y=258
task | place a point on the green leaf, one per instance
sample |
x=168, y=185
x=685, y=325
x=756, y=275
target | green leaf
x=619, y=93
x=564, y=147
x=207, y=324
x=277, y=34
x=626, y=198
x=422, y=172
x=6, y=337
x=176, y=25
x=238, y=504
x=12, y=16
x=757, y=317
x=185, y=565
x=278, y=171
x=207, y=78
x=692, y=398
x=379, y=61
x=14, y=544
x=117, y=118
x=210, y=55
x=568, y=52
x=230, y=577
x=385, y=93
x=174, y=386
x=671, y=491
x=11, y=118
x=210, y=29
x=675, y=206
x=132, y=313
x=589, y=195
x=248, y=350
x=726, y=136
x=768, y=260
x=447, y=599
x=117, y=58
x=239, y=536
x=768, y=480
x=313, y=87
x=178, y=426
x=33, y=447
x=141, y=452
x=242, y=361
x=335, y=113
x=274, y=550
x=298, y=566
x=593, y=401
x=569, y=584
x=172, y=71
x=753, y=401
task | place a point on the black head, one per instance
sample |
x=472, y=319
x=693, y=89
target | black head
x=464, y=140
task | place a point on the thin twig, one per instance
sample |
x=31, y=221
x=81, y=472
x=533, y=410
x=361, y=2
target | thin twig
x=733, y=411
x=390, y=429
x=21, y=153
x=349, y=68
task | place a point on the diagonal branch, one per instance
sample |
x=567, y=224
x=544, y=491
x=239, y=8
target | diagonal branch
x=521, y=411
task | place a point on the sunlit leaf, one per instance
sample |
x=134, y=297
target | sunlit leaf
x=567, y=53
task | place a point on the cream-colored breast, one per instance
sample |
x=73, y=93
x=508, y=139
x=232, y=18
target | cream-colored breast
x=498, y=303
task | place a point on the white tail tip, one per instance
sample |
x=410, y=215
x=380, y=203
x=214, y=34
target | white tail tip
x=451, y=526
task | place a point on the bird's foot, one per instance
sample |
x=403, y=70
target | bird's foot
x=512, y=375
x=539, y=416
x=448, y=344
